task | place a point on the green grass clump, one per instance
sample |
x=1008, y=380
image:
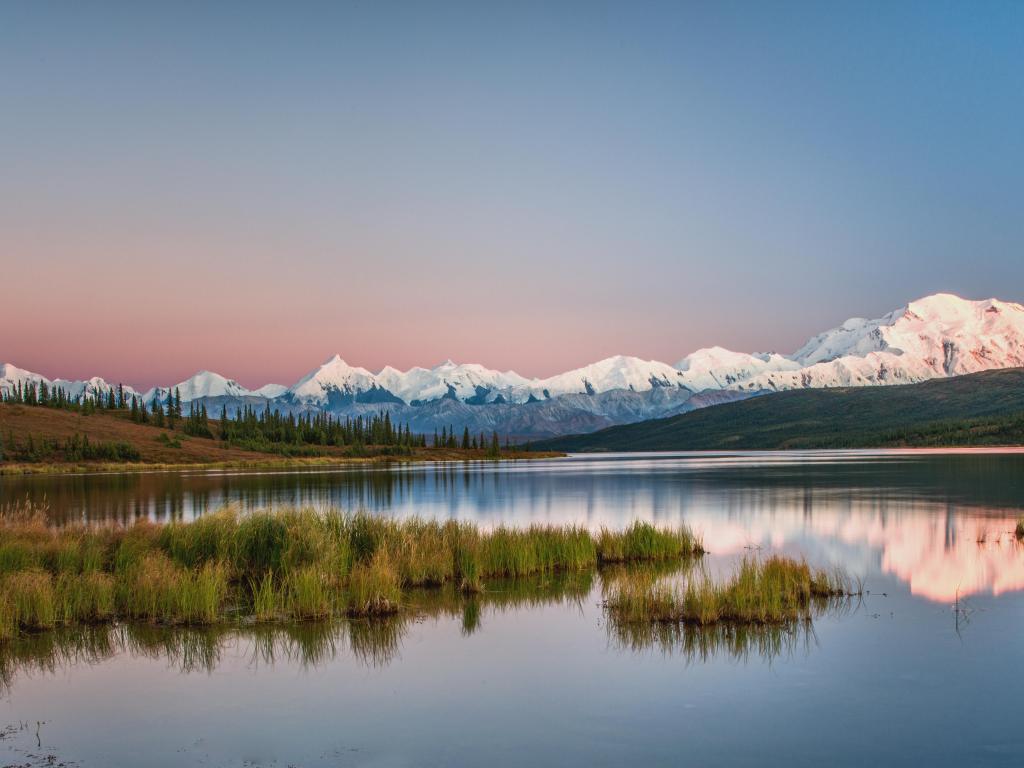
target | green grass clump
x=18, y=556
x=156, y=589
x=511, y=552
x=266, y=603
x=644, y=542
x=8, y=618
x=307, y=594
x=467, y=562
x=374, y=588
x=201, y=593
x=288, y=563
x=85, y=598
x=259, y=545
x=204, y=540
x=423, y=552
x=778, y=589
x=31, y=599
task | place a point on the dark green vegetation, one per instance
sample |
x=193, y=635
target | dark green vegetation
x=284, y=565
x=55, y=434
x=264, y=431
x=306, y=434
x=973, y=410
x=75, y=448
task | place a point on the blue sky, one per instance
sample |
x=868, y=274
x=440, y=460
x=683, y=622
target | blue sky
x=250, y=188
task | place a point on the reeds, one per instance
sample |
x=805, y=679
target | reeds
x=282, y=564
x=642, y=542
x=770, y=591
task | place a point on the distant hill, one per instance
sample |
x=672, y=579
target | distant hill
x=984, y=408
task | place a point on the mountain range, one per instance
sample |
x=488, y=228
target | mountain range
x=937, y=336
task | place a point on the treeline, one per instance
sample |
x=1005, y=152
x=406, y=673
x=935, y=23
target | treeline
x=164, y=414
x=49, y=396
x=262, y=429
x=447, y=439
x=984, y=431
x=75, y=448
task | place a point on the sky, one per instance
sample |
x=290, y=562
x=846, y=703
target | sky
x=251, y=188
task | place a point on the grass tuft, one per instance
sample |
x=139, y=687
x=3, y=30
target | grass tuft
x=374, y=588
x=771, y=591
x=644, y=542
x=281, y=564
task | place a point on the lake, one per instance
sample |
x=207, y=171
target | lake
x=925, y=668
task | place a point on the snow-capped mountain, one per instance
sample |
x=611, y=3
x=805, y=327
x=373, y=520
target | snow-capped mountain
x=940, y=335
x=200, y=385
x=719, y=368
x=333, y=380
x=11, y=376
x=270, y=391
x=467, y=381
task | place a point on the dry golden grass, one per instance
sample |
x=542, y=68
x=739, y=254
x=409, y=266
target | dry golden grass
x=283, y=564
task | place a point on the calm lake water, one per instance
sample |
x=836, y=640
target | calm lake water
x=926, y=669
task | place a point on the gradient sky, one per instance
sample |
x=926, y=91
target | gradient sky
x=250, y=188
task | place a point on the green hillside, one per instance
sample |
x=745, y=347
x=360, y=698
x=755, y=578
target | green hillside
x=977, y=409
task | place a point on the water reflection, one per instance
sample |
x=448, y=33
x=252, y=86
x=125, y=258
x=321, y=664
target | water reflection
x=377, y=642
x=939, y=521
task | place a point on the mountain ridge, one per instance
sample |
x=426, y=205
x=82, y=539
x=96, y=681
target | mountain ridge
x=936, y=336
x=984, y=408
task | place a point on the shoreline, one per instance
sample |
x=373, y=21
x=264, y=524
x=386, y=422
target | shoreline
x=82, y=468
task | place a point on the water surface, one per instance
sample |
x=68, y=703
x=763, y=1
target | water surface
x=926, y=669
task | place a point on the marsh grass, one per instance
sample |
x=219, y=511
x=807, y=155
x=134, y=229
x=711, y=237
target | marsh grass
x=642, y=542
x=283, y=564
x=307, y=596
x=769, y=591
x=266, y=603
x=374, y=588
x=376, y=641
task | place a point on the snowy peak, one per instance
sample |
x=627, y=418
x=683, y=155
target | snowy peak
x=938, y=335
x=335, y=375
x=618, y=372
x=11, y=376
x=209, y=384
x=949, y=334
x=719, y=368
x=270, y=391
